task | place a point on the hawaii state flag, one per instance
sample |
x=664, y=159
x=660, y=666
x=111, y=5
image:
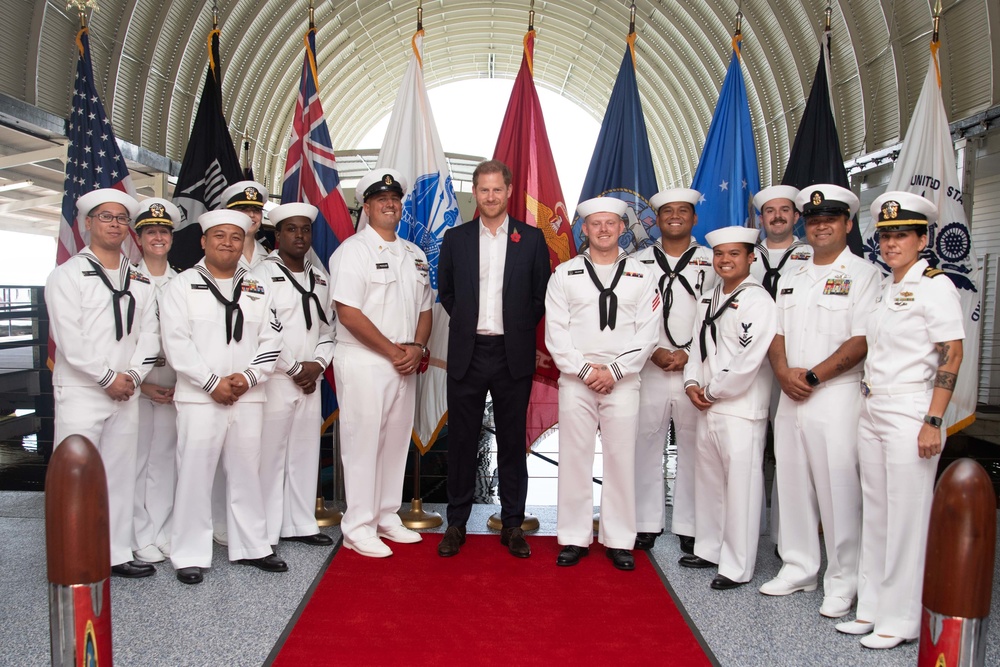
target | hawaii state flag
x=537, y=199
x=727, y=175
x=927, y=166
x=413, y=148
x=622, y=165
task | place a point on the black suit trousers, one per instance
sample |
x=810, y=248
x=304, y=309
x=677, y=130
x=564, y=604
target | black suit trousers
x=488, y=372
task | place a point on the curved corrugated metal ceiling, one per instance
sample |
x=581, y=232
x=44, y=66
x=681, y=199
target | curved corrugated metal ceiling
x=152, y=58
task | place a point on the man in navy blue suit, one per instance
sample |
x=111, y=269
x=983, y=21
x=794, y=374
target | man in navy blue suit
x=492, y=275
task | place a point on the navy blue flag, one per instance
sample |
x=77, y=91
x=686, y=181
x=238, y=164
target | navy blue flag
x=622, y=166
x=727, y=175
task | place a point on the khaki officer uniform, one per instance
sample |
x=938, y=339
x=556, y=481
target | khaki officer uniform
x=729, y=361
x=905, y=322
x=156, y=454
x=207, y=340
x=292, y=418
x=609, y=315
x=819, y=309
x=103, y=322
x=389, y=283
x=681, y=281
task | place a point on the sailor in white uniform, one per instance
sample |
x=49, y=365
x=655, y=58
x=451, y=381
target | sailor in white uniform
x=817, y=358
x=382, y=295
x=602, y=315
x=728, y=380
x=223, y=340
x=684, y=272
x=102, y=318
x=292, y=414
x=156, y=465
x=249, y=197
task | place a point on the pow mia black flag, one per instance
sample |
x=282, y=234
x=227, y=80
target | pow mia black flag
x=210, y=164
x=815, y=156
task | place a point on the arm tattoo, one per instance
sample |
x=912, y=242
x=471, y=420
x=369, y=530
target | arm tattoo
x=943, y=350
x=945, y=380
x=844, y=363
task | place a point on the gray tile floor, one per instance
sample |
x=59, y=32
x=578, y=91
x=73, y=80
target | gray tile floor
x=238, y=613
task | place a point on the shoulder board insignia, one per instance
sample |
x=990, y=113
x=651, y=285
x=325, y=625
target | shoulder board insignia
x=382, y=265
x=199, y=286
x=633, y=274
x=648, y=261
x=787, y=290
x=277, y=279
x=136, y=275
x=576, y=272
x=252, y=286
x=930, y=273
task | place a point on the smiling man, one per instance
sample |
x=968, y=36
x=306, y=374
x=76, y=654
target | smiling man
x=779, y=253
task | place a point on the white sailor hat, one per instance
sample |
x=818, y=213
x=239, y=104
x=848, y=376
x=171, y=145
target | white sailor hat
x=827, y=199
x=278, y=214
x=88, y=202
x=380, y=180
x=674, y=195
x=157, y=211
x=602, y=205
x=244, y=193
x=211, y=219
x=774, y=192
x=734, y=234
x=901, y=211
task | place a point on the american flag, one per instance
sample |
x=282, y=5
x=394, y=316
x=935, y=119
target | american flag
x=311, y=168
x=93, y=159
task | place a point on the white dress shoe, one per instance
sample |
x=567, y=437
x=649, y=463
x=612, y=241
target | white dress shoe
x=836, y=607
x=779, y=586
x=877, y=641
x=164, y=549
x=401, y=534
x=221, y=539
x=855, y=627
x=149, y=554
x=372, y=547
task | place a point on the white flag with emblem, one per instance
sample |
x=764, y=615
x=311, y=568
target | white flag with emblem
x=413, y=148
x=927, y=167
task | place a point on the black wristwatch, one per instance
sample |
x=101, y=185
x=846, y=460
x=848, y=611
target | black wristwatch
x=812, y=379
x=936, y=422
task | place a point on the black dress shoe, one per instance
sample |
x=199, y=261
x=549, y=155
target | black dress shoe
x=621, y=558
x=722, y=583
x=317, y=540
x=133, y=570
x=269, y=563
x=452, y=541
x=645, y=541
x=694, y=561
x=687, y=544
x=189, y=575
x=571, y=555
x=513, y=539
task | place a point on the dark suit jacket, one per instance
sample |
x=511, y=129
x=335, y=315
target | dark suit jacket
x=526, y=274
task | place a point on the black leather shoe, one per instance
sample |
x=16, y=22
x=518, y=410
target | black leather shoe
x=721, y=583
x=693, y=561
x=645, y=541
x=269, y=563
x=621, y=558
x=687, y=544
x=452, y=541
x=571, y=555
x=513, y=539
x=189, y=575
x=317, y=540
x=133, y=570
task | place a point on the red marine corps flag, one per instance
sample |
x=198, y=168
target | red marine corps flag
x=536, y=198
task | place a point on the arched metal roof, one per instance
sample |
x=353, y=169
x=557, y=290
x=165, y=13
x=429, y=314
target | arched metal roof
x=151, y=57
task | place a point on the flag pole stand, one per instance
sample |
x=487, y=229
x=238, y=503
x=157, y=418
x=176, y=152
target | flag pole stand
x=330, y=516
x=417, y=517
x=529, y=525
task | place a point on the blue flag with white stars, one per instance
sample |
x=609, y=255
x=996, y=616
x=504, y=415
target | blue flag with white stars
x=727, y=175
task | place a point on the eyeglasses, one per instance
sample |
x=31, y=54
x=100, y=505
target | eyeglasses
x=105, y=216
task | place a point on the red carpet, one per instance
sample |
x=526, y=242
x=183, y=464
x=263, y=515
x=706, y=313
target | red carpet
x=485, y=607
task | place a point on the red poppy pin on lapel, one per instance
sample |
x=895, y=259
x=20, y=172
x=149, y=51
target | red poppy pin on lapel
x=515, y=237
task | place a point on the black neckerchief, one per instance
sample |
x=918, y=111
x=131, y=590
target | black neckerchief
x=116, y=296
x=667, y=282
x=234, y=329
x=771, y=275
x=307, y=295
x=709, y=323
x=609, y=300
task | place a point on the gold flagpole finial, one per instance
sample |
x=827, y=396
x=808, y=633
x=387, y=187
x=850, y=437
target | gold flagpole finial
x=312, y=15
x=829, y=17
x=81, y=7
x=420, y=15
x=937, y=22
x=215, y=15
x=631, y=19
x=531, y=16
x=739, y=24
